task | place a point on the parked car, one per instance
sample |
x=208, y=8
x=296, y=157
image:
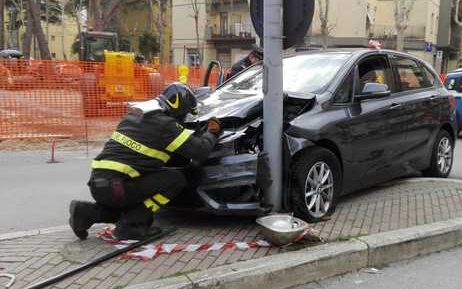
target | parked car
x=453, y=83
x=352, y=119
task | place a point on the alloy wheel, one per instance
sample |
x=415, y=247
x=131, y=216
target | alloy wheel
x=319, y=189
x=445, y=155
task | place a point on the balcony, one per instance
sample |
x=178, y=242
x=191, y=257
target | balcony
x=235, y=35
x=220, y=6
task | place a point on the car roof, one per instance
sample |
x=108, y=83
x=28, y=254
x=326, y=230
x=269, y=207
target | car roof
x=358, y=51
x=457, y=72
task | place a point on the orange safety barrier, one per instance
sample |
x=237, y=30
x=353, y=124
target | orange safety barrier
x=73, y=98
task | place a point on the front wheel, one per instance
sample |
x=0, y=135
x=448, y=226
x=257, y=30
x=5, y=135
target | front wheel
x=442, y=156
x=316, y=183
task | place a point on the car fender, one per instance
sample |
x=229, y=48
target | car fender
x=296, y=144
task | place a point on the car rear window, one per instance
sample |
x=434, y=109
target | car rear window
x=410, y=74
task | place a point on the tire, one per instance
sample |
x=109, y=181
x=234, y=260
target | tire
x=442, y=156
x=310, y=163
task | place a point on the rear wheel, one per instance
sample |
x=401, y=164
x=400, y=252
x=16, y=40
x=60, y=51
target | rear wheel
x=316, y=183
x=442, y=156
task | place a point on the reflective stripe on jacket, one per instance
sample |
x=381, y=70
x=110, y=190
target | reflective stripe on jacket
x=146, y=143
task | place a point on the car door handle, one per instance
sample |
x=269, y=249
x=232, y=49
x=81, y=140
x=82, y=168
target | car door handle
x=433, y=97
x=395, y=105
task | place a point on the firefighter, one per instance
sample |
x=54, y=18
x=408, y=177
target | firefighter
x=253, y=57
x=131, y=178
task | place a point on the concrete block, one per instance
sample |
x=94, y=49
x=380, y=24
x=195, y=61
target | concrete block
x=285, y=270
x=389, y=247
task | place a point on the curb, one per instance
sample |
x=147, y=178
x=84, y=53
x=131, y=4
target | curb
x=312, y=264
x=21, y=234
x=422, y=179
x=42, y=231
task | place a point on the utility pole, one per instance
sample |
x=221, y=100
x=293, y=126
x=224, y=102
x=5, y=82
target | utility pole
x=273, y=100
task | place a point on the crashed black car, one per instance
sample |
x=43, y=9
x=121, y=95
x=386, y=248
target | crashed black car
x=352, y=119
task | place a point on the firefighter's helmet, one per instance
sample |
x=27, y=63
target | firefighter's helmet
x=178, y=100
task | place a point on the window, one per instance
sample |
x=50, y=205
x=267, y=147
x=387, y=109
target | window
x=224, y=56
x=373, y=69
x=431, y=79
x=345, y=91
x=410, y=75
x=193, y=57
x=223, y=23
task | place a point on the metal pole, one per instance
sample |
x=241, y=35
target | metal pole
x=273, y=101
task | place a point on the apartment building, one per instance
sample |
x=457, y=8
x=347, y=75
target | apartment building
x=225, y=31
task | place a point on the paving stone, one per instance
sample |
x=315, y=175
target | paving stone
x=376, y=210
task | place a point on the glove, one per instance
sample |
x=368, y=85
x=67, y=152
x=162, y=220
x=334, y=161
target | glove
x=214, y=126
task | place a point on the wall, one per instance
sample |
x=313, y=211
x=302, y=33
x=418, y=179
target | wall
x=183, y=29
x=56, y=38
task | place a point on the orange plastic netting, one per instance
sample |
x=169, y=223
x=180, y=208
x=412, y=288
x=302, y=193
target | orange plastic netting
x=72, y=98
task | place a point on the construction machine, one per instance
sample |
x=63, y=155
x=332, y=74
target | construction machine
x=111, y=78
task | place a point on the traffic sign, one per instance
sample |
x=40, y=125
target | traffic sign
x=298, y=15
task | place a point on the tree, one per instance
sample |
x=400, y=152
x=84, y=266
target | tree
x=101, y=12
x=148, y=44
x=2, y=25
x=34, y=27
x=16, y=20
x=402, y=11
x=326, y=28
x=195, y=8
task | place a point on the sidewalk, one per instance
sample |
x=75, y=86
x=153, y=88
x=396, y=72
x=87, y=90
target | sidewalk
x=385, y=208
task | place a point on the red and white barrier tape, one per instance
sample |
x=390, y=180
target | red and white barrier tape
x=148, y=252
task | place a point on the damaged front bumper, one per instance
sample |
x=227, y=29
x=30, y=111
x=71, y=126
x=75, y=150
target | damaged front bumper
x=235, y=172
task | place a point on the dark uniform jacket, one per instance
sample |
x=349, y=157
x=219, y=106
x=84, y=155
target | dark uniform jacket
x=146, y=143
x=239, y=66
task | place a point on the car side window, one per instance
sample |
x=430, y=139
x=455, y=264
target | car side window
x=374, y=69
x=345, y=91
x=431, y=79
x=410, y=74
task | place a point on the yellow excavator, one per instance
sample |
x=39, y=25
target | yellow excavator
x=112, y=78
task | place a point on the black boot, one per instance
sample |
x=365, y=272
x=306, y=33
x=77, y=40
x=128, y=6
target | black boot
x=126, y=232
x=83, y=216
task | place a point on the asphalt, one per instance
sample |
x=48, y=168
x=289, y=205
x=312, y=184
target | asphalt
x=35, y=194
x=440, y=270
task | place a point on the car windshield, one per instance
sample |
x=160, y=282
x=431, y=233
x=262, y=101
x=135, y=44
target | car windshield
x=309, y=73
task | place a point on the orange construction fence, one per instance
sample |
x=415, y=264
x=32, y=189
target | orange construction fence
x=73, y=98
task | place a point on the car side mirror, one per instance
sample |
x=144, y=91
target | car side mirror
x=373, y=90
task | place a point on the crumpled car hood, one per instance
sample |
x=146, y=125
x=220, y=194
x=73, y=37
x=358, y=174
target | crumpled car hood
x=224, y=104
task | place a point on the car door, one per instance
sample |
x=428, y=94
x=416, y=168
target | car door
x=377, y=126
x=421, y=102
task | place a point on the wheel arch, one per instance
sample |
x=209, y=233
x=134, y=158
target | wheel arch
x=449, y=128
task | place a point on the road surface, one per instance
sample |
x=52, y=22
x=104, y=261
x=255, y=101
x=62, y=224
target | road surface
x=436, y=271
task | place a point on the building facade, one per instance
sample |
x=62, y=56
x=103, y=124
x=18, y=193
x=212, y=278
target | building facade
x=225, y=31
